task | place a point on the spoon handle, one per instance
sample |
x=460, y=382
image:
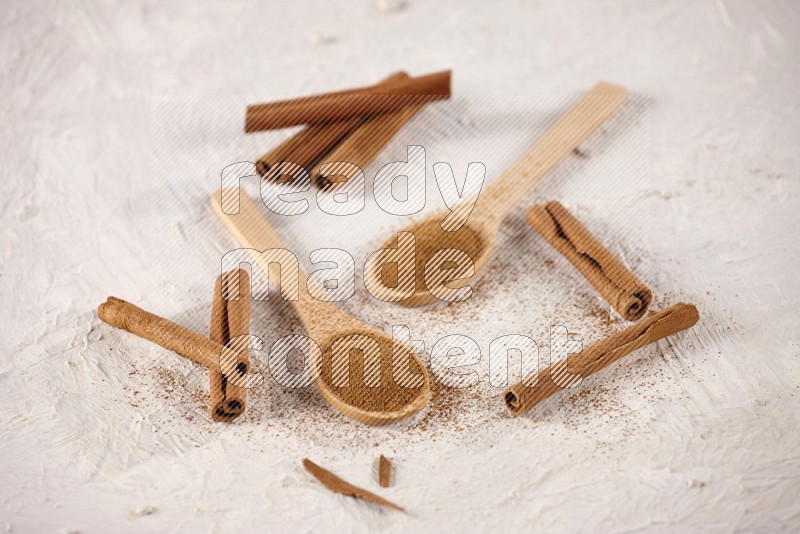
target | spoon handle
x=583, y=118
x=252, y=230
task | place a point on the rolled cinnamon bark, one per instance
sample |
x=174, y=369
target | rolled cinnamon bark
x=522, y=397
x=307, y=146
x=229, y=318
x=191, y=345
x=238, y=311
x=615, y=282
x=347, y=105
x=364, y=143
x=311, y=144
x=218, y=331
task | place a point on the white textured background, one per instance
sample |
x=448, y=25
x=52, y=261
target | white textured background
x=106, y=171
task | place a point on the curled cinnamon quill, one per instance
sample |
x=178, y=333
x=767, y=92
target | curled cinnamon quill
x=615, y=282
x=229, y=319
x=306, y=147
x=191, y=345
x=337, y=485
x=523, y=396
x=343, y=105
x=312, y=143
x=200, y=349
x=363, y=144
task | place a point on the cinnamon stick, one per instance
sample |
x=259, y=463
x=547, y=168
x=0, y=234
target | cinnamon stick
x=523, y=396
x=343, y=105
x=229, y=319
x=338, y=485
x=384, y=472
x=311, y=144
x=615, y=282
x=169, y=335
x=307, y=146
x=218, y=331
x=361, y=146
x=238, y=309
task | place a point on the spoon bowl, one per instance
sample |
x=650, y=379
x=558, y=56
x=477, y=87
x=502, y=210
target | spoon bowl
x=477, y=235
x=406, y=402
x=474, y=239
x=374, y=394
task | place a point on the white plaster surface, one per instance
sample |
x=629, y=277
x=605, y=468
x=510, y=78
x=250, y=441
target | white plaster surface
x=119, y=116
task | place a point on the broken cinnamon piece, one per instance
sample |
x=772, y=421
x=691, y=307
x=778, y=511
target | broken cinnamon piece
x=384, y=472
x=522, y=397
x=615, y=282
x=337, y=485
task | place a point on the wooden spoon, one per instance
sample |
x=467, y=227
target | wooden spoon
x=476, y=237
x=325, y=323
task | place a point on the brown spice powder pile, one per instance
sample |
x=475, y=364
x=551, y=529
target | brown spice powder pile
x=431, y=238
x=390, y=395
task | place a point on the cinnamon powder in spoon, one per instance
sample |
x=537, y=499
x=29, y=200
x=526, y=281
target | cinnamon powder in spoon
x=356, y=373
x=430, y=238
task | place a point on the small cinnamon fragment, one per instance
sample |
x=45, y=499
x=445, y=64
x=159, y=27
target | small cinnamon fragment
x=344, y=105
x=229, y=319
x=615, y=282
x=523, y=396
x=384, y=472
x=311, y=144
x=337, y=485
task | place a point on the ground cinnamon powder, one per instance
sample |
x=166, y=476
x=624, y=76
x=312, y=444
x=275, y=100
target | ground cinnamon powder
x=390, y=395
x=431, y=238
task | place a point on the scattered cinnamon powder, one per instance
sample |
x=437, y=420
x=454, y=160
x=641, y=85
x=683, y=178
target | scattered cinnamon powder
x=368, y=387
